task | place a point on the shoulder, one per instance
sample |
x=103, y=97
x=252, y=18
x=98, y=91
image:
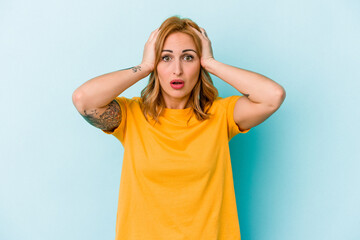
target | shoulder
x=128, y=101
x=225, y=102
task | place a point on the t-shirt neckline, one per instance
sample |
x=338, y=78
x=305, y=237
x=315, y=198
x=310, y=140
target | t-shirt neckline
x=179, y=113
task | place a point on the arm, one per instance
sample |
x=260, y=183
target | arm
x=95, y=99
x=100, y=91
x=256, y=87
x=106, y=118
x=262, y=98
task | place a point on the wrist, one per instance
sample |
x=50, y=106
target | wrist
x=209, y=65
x=146, y=68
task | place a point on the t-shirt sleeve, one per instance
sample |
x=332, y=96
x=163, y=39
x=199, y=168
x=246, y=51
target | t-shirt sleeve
x=120, y=131
x=233, y=128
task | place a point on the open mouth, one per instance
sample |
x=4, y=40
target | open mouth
x=177, y=84
x=177, y=81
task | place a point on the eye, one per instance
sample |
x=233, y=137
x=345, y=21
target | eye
x=189, y=57
x=165, y=58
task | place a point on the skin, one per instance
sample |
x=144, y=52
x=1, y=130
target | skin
x=107, y=118
x=179, y=60
x=174, y=64
x=266, y=95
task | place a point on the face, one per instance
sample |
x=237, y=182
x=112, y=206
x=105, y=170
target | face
x=179, y=60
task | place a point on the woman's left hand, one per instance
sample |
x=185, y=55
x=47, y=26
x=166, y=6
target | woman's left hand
x=207, y=53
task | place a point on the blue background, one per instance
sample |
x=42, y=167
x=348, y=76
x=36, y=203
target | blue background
x=296, y=175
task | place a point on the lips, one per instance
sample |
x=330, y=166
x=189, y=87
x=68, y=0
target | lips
x=177, y=83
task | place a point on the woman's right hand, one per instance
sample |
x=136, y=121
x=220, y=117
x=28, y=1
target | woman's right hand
x=149, y=50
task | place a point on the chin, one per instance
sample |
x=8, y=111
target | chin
x=177, y=93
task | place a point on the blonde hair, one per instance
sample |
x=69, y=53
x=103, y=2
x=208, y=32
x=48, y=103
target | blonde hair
x=204, y=91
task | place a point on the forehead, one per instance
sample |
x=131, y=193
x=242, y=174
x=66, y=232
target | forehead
x=178, y=41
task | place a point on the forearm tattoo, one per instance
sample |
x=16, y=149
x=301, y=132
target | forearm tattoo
x=108, y=120
x=135, y=69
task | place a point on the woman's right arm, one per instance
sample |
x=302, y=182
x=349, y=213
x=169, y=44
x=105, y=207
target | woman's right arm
x=95, y=99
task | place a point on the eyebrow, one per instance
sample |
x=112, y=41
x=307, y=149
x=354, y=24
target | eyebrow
x=186, y=50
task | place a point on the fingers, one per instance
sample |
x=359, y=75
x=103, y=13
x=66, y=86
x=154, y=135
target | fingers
x=154, y=34
x=202, y=32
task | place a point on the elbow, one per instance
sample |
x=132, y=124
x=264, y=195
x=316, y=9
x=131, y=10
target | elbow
x=280, y=95
x=76, y=100
x=76, y=97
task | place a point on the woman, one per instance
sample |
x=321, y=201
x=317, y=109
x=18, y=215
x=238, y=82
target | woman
x=176, y=180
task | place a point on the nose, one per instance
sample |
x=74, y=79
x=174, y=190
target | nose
x=177, y=67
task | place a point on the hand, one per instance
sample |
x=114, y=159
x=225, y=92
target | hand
x=207, y=53
x=149, y=51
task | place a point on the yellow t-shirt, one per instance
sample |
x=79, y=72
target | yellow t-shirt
x=176, y=180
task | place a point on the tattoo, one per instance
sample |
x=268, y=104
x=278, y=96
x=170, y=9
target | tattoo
x=133, y=68
x=136, y=68
x=108, y=120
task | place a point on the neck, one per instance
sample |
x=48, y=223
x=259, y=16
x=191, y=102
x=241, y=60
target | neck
x=177, y=103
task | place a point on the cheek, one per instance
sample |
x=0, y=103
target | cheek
x=160, y=72
x=195, y=71
x=162, y=75
x=162, y=69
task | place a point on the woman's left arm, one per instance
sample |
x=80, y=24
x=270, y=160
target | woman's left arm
x=262, y=98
